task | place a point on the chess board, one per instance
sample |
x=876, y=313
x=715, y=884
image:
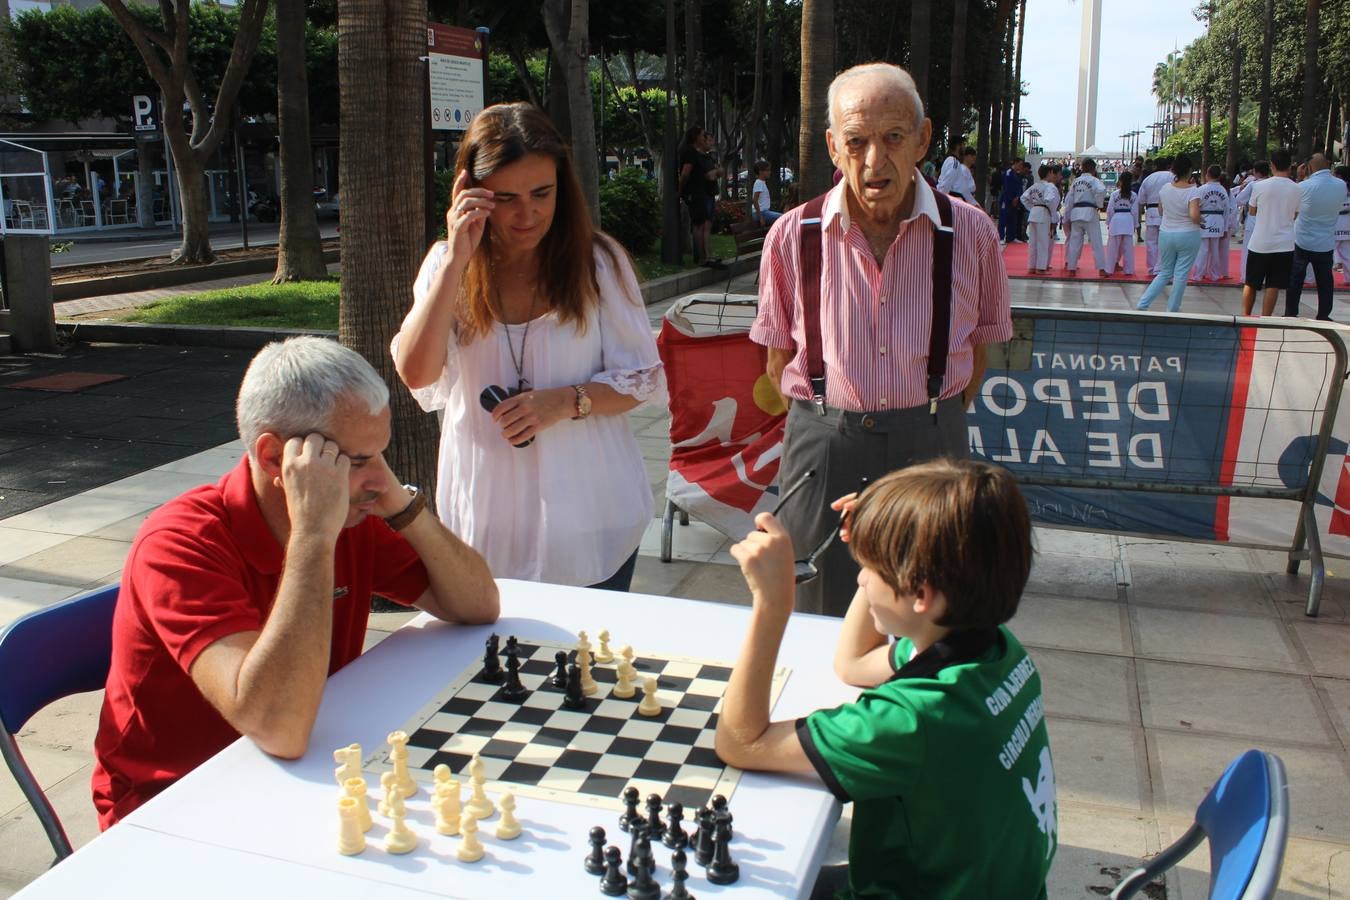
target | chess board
x=538, y=748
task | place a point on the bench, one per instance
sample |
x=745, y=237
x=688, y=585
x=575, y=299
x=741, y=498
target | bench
x=749, y=236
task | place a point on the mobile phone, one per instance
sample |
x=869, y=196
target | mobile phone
x=494, y=394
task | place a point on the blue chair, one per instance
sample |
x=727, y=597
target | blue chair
x=1246, y=819
x=46, y=655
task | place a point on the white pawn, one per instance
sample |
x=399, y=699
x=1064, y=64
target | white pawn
x=400, y=838
x=389, y=785
x=470, y=848
x=479, y=806
x=441, y=775
x=350, y=839
x=349, y=763
x=508, y=828
x=355, y=788
x=604, y=654
x=649, y=706
x=398, y=754
x=447, y=808
x=588, y=685
x=624, y=689
x=627, y=654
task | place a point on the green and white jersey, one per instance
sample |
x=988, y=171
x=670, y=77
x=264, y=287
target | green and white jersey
x=948, y=767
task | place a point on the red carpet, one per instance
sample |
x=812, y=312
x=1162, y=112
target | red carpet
x=1015, y=261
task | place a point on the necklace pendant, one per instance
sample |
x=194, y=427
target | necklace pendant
x=522, y=386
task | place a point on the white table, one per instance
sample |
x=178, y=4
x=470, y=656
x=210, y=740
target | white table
x=244, y=820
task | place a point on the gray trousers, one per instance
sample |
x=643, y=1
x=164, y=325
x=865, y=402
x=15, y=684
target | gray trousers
x=844, y=447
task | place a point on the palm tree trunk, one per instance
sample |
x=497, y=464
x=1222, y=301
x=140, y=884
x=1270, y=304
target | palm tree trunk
x=774, y=136
x=382, y=88
x=756, y=102
x=1017, y=72
x=299, y=250
x=567, y=25
x=1307, y=126
x=670, y=203
x=817, y=70
x=956, y=117
x=920, y=29
x=693, y=61
x=1206, y=131
x=1263, y=117
x=1234, y=100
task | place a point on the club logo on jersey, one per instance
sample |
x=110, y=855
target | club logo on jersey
x=1042, y=800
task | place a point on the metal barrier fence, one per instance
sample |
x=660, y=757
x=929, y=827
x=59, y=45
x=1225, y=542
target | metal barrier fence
x=1173, y=426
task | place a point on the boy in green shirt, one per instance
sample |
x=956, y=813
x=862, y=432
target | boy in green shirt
x=944, y=754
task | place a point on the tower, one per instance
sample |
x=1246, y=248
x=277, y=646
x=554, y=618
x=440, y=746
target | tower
x=1089, y=60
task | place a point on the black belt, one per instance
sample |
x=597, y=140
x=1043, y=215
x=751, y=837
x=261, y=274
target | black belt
x=1213, y=212
x=1091, y=205
x=1150, y=206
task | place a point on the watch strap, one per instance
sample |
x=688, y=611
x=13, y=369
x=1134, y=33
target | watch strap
x=401, y=520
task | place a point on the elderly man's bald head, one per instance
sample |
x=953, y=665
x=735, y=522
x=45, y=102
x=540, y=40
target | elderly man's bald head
x=874, y=78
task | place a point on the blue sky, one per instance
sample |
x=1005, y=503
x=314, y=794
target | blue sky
x=1136, y=35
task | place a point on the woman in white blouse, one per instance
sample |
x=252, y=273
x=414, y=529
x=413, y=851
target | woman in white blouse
x=527, y=296
x=1178, y=236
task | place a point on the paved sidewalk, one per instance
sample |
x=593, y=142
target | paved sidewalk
x=1161, y=662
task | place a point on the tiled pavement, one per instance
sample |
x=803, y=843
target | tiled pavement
x=1161, y=661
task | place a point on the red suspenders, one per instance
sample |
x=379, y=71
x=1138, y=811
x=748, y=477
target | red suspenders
x=808, y=261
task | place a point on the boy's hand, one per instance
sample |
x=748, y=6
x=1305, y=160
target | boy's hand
x=765, y=557
x=844, y=506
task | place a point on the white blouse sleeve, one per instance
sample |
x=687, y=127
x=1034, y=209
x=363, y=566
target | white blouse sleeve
x=436, y=395
x=631, y=364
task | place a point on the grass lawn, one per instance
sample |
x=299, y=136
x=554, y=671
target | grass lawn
x=301, y=304
x=650, y=266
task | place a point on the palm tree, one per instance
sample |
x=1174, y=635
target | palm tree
x=567, y=33
x=382, y=89
x=1017, y=74
x=757, y=100
x=817, y=71
x=1307, y=126
x=299, y=250
x=1263, y=117
x=920, y=29
x=957, y=114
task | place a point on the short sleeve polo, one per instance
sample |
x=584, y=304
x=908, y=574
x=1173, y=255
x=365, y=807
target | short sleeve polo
x=950, y=775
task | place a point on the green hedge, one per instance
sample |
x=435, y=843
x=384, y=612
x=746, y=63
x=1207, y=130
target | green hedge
x=630, y=209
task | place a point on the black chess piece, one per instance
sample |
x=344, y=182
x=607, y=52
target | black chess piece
x=595, y=860
x=703, y=851
x=512, y=645
x=630, y=802
x=513, y=691
x=656, y=827
x=723, y=870
x=574, y=698
x=615, y=883
x=719, y=805
x=675, y=838
x=492, y=665
x=638, y=830
x=679, y=874
x=560, y=676
x=644, y=887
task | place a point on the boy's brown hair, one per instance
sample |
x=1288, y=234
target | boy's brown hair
x=960, y=526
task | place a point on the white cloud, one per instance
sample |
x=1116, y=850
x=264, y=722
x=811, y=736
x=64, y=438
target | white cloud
x=1136, y=35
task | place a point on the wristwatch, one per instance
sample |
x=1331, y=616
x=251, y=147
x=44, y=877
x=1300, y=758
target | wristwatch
x=401, y=520
x=583, y=402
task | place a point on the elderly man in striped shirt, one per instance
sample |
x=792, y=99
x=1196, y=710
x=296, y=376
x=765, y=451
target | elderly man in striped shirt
x=876, y=302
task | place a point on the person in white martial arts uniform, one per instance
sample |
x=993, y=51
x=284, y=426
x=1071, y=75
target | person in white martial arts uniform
x=1212, y=263
x=950, y=163
x=1122, y=212
x=1081, y=206
x=1343, y=227
x=1148, y=204
x=1259, y=171
x=1042, y=203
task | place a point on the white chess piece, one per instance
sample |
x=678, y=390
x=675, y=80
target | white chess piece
x=604, y=654
x=389, y=787
x=356, y=789
x=349, y=763
x=508, y=828
x=447, y=806
x=649, y=706
x=441, y=775
x=624, y=689
x=398, y=755
x=400, y=838
x=470, y=848
x=479, y=806
x=583, y=642
x=588, y=685
x=351, y=840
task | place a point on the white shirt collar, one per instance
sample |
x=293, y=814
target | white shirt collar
x=924, y=204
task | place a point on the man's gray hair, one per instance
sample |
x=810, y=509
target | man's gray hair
x=900, y=82
x=293, y=387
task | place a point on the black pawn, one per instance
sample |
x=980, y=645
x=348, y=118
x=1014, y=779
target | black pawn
x=630, y=802
x=615, y=883
x=512, y=645
x=675, y=838
x=679, y=874
x=513, y=691
x=641, y=846
x=560, y=676
x=595, y=860
x=574, y=698
x=656, y=827
x=719, y=805
x=703, y=851
x=492, y=665
x=723, y=870
x=644, y=887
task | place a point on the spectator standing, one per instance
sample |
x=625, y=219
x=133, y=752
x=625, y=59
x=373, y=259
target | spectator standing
x=698, y=188
x=1178, y=236
x=1244, y=195
x=1274, y=201
x=1322, y=195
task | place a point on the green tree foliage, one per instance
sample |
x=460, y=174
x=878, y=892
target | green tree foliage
x=1190, y=141
x=630, y=209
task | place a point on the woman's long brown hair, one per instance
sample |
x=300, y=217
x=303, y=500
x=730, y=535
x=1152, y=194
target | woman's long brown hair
x=499, y=136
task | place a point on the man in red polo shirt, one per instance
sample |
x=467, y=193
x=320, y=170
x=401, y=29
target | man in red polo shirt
x=239, y=599
x=874, y=382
